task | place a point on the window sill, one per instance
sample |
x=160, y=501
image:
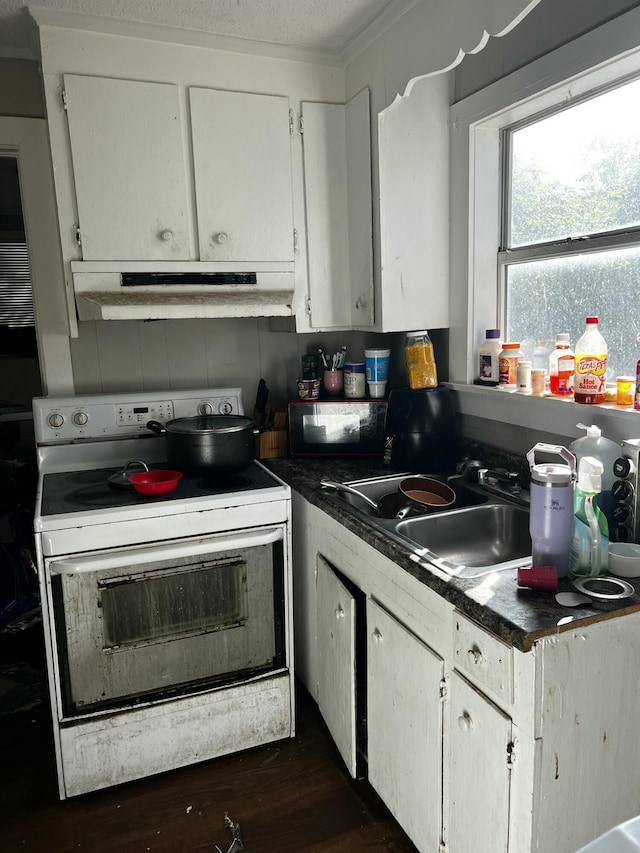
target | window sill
x=547, y=414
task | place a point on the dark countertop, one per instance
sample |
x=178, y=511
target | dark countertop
x=494, y=601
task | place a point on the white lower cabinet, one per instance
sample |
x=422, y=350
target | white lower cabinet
x=404, y=726
x=336, y=613
x=479, y=772
x=475, y=746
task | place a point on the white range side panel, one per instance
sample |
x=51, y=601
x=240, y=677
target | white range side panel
x=128, y=150
x=242, y=165
x=336, y=661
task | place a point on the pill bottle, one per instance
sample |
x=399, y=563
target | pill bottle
x=538, y=381
x=636, y=400
x=420, y=361
x=625, y=387
x=508, y=360
x=488, y=355
x=523, y=377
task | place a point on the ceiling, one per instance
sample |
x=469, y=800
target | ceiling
x=325, y=25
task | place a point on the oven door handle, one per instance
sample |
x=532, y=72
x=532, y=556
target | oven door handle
x=98, y=562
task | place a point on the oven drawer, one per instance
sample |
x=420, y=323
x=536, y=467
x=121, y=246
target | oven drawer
x=139, y=623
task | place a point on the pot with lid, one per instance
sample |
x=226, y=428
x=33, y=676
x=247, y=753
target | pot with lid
x=208, y=444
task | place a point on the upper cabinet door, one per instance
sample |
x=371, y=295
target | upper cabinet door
x=337, y=180
x=128, y=152
x=242, y=164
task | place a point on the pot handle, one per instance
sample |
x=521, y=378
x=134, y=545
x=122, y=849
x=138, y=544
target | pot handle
x=156, y=426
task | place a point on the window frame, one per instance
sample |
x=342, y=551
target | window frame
x=596, y=60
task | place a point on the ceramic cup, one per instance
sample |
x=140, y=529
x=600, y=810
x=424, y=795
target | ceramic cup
x=308, y=389
x=333, y=381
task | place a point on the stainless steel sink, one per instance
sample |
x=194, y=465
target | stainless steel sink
x=471, y=542
x=481, y=533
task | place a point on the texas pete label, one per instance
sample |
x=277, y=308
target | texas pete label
x=590, y=374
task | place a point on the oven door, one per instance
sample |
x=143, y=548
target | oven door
x=167, y=619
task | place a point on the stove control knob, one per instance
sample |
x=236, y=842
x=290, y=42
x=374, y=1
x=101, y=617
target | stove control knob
x=80, y=418
x=205, y=409
x=225, y=408
x=55, y=420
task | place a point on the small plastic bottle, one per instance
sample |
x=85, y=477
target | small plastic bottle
x=508, y=364
x=488, y=355
x=562, y=366
x=524, y=377
x=591, y=365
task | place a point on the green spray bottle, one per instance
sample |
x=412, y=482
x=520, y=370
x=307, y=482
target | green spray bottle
x=588, y=552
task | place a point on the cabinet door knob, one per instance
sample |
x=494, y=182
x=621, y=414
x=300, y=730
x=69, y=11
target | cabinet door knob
x=166, y=235
x=465, y=722
x=377, y=636
x=475, y=655
x=220, y=238
x=339, y=612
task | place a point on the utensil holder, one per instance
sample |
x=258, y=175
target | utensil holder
x=333, y=381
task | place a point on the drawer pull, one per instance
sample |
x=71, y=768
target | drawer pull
x=339, y=612
x=377, y=636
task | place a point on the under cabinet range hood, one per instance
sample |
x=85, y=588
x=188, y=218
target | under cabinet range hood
x=174, y=290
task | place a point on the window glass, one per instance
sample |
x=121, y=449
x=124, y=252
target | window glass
x=572, y=227
x=556, y=295
x=577, y=172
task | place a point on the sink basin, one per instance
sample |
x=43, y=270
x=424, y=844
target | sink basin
x=471, y=542
x=377, y=487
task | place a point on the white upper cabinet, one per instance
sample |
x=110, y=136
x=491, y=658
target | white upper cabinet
x=133, y=171
x=242, y=167
x=337, y=179
x=414, y=209
x=130, y=169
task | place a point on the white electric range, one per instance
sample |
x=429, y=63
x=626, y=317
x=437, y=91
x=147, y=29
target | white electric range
x=168, y=624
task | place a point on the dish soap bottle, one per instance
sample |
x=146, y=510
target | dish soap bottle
x=588, y=554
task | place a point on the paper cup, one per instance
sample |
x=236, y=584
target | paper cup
x=377, y=389
x=377, y=366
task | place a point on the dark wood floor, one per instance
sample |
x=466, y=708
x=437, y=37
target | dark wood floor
x=286, y=797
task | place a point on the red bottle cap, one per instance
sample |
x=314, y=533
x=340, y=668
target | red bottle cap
x=539, y=577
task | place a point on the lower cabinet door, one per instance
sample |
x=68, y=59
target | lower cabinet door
x=481, y=737
x=336, y=643
x=404, y=719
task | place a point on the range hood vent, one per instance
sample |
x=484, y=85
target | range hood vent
x=174, y=290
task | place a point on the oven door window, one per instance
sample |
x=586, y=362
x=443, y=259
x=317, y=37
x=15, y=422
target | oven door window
x=132, y=633
x=171, y=605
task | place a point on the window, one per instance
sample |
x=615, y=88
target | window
x=545, y=217
x=571, y=224
x=17, y=321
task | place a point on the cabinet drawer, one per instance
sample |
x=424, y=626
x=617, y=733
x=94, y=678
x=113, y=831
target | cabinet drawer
x=487, y=661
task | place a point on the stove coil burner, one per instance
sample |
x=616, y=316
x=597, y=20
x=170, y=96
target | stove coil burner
x=223, y=483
